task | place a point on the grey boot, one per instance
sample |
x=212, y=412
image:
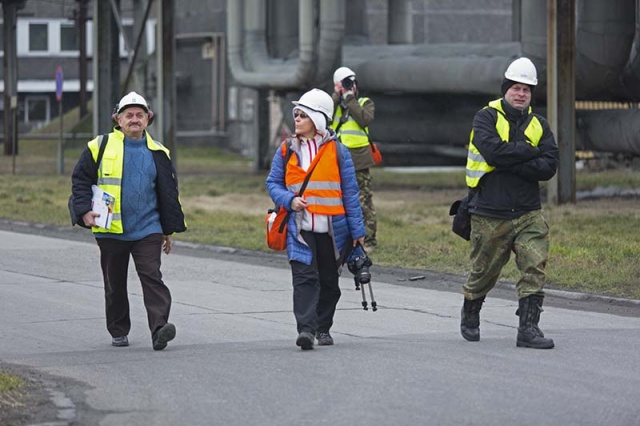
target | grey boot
x=529, y=334
x=470, y=319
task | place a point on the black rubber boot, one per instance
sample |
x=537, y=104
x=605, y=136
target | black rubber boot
x=470, y=319
x=529, y=334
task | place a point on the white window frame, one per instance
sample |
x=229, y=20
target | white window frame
x=27, y=39
x=53, y=33
x=150, y=34
x=66, y=24
x=37, y=98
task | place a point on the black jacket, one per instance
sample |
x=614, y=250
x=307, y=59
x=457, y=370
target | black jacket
x=512, y=189
x=85, y=174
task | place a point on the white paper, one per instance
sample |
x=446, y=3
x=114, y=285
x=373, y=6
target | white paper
x=102, y=203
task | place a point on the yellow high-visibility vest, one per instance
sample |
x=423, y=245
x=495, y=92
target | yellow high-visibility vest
x=350, y=133
x=110, y=171
x=476, y=164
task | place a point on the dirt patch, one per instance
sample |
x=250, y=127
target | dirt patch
x=31, y=403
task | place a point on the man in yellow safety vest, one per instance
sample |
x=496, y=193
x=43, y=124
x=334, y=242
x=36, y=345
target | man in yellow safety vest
x=351, y=119
x=138, y=176
x=511, y=150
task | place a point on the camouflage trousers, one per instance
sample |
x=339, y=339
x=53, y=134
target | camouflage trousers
x=366, y=202
x=493, y=240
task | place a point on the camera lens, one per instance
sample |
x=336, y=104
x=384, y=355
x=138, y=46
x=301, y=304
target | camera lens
x=347, y=83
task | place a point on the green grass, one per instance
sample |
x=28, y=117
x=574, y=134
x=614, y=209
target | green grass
x=9, y=382
x=594, y=244
x=12, y=394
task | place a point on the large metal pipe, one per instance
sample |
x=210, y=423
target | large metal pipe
x=422, y=68
x=240, y=70
x=256, y=54
x=609, y=131
x=332, y=24
x=400, y=26
x=461, y=71
x=630, y=78
x=249, y=59
x=605, y=33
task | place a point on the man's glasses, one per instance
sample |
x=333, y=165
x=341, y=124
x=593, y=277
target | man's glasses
x=300, y=114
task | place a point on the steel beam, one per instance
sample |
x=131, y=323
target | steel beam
x=166, y=46
x=10, y=68
x=566, y=72
x=106, y=66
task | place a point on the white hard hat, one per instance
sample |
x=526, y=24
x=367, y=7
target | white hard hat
x=342, y=73
x=131, y=99
x=522, y=70
x=317, y=100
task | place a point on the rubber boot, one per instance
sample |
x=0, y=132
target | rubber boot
x=470, y=319
x=529, y=334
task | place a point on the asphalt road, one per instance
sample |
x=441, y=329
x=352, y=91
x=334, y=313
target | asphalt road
x=234, y=360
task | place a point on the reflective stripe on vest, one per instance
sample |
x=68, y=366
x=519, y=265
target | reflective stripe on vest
x=350, y=133
x=476, y=164
x=323, y=191
x=110, y=171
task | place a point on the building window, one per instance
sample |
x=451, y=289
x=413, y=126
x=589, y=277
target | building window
x=131, y=38
x=69, y=38
x=37, y=109
x=127, y=39
x=38, y=38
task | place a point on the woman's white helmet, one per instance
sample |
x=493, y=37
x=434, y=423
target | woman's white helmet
x=523, y=71
x=317, y=100
x=342, y=73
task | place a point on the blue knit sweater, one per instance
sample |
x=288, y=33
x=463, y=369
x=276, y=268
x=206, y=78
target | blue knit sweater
x=139, y=203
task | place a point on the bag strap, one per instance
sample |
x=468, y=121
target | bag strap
x=102, y=145
x=306, y=180
x=289, y=153
x=302, y=188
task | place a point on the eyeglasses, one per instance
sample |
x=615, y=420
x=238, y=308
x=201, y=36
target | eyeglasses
x=300, y=114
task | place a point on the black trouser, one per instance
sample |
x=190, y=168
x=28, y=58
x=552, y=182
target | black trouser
x=114, y=259
x=316, y=289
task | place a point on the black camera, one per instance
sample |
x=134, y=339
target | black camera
x=347, y=83
x=359, y=267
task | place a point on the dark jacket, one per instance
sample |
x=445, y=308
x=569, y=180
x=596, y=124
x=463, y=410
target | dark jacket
x=85, y=174
x=512, y=189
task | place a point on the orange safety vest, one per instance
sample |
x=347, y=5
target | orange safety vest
x=323, y=191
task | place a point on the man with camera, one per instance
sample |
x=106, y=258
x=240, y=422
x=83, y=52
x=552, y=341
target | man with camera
x=351, y=119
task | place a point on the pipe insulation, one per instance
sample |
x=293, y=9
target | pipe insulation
x=605, y=34
x=249, y=59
